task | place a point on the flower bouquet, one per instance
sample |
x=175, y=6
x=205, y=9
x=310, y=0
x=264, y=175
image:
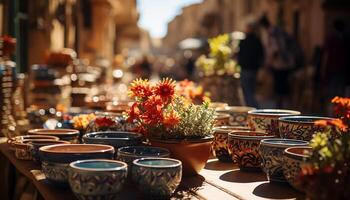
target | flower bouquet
x=327, y=176
x=172, y=122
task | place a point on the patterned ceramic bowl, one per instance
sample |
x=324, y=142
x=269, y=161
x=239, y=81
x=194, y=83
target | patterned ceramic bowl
x=243, y=146
x=116, y=139
x=293, y=159
x=55, y=172
x=219, y=146
x=131, y=153
x=26, y=137
x=222, y=119
x=271, y=151
x=157, y=177
x=238, y=114
x=69, y=135
x=97, y=179
x=299, y=127
x=266, y=120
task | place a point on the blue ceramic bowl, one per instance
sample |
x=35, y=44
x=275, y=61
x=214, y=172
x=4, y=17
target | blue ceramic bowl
x=116, y=139
x=157, y=177
x=300, y=127
x=271, y=152
x=97, y=179
x=131, y=153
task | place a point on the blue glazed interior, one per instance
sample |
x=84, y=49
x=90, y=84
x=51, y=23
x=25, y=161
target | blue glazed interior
x=98, y=165
x=144, y=151
x=157, y=162
x=288, y=142
x=113, y=135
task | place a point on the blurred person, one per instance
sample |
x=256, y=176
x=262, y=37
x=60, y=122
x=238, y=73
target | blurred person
x=336, y=69
x=281, y=56
x=250, y=57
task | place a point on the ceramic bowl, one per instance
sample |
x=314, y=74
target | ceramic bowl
x=70, y=135
x=299, y=127
x=216, y=105
x=266, y=120
x=36, y=144
x=271, y=151
x=244, y=145
x=97, y=179
x=26, y=137
x=238, y=114
x=23, y=151
x=56, y=158
x=157, y=177
x=116, y=139
x=219, y=146
x=293, y=159
x=222, y=119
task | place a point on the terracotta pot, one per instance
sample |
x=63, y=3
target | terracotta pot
x=193, y=153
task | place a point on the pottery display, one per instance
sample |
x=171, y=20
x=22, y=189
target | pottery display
x=157, y=177
x=56, y=158
x=299, y=127
x=238, y=114
x=293, y=159
x=219, y=146
x=36, y=144
x=69, y=135
x=266, y=120
x=271, y=151
x=244, y=145
x=97, y=179
x=222, y=119
x=23, y=151
x=131, y=153
x=193, y=153
x=116, y=139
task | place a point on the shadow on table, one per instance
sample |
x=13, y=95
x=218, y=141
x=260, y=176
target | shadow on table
x=188, y=186
x=217, y=165
x=280, y=191
x=243, y=177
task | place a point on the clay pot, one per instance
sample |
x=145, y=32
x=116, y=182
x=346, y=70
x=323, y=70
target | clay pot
x=193, y=153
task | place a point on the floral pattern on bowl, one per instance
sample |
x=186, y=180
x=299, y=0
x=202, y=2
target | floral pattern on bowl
x=57, y=173
x=97, y=179
x=243, y=146
x=157, y=177
x=238, y=114
x=271, y=151
x=299, y=127
x=219, y=146
x=293, y=159
x=266, y=120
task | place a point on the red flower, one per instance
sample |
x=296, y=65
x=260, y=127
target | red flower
x=153, y=110
x=171, y=119
x=8, y=45
x=104, y=122
x=133, y=113
x=165, y=89
x=140, y=88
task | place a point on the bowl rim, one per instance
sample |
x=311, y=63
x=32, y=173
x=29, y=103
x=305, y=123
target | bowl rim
x=273, y=112
x=234, y=134
x=221, y=115
x=46, y=149
x=60, y=132
x=287, y=152
x=38, y=142
x=236, y=109
x=120, y=151
x=289, y=119
x=25, y=137
x=88, y=135
x=176, y=164
x=269, y=143
x=123, y=166
x=222, y=129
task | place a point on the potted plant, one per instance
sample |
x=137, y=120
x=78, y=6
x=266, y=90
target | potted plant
x=171, y=122
x=328, y=174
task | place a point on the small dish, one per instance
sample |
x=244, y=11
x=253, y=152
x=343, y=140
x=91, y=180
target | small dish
x=157, y=177
x=97, y=179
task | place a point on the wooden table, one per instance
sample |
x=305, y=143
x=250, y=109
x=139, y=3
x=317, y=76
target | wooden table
x=218, y=181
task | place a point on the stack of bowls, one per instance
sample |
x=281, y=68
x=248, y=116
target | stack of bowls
x=271, y=151
x=238, y=114
x=157, y=177
x=97, y=179
x=219, y=145
x=300, y=127
x=56, y=158
x=244, y=145
x=266, y=120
